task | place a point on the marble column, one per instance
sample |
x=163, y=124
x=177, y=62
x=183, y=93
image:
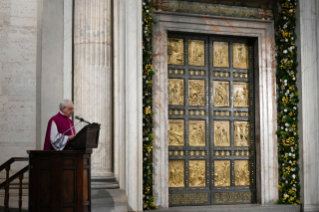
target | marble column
x=128, y=116
x=93, y=75
x=308, y=85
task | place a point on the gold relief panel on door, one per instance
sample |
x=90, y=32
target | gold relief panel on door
x=196, y=92
x=196, y=52
x=175, y=91
x=175, y=51
x=221, y=94
x=197, y=173
x=221, y=56
x=241, y=94
x=221, y=133
x=242, y=173
x=176, y=173
x=176, y=132
x=197, y=132
x=240, y=56
x=241, y=129
x=222, y=173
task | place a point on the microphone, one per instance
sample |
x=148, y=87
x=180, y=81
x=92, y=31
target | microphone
x=81, y=119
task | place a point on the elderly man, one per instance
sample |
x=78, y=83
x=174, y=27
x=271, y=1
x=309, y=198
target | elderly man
x=60, y=128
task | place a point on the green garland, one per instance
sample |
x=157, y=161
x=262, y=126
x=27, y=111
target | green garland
x=148, y=134
x=288, y=149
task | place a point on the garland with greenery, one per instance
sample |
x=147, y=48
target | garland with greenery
x=148, y=135
x=288, y=149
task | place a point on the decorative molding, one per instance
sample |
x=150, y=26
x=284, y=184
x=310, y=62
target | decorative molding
x=263, y=30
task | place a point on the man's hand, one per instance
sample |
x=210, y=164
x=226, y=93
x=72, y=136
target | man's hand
x=71, y=137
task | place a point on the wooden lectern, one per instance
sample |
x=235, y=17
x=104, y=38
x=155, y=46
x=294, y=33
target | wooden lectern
x=61, y=180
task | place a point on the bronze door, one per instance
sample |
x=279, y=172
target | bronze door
x=211, y=120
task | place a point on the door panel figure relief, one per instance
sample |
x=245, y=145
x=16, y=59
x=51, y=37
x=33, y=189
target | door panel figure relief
x=241, y=129
x=196, y=52
x=210, y=120
x=240, y=56
x=197, y=132
x=221, y=94
x=175, y=92
x=221, y=133
x=222, y=173
x=242, y=173
x=176, y=173
x=221, y=56
x=197, y=173
x=175, y=51
x=196, y=92
x=176, y=132
x=241, y=94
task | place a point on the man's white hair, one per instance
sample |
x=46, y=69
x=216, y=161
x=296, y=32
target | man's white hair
x=64, y=103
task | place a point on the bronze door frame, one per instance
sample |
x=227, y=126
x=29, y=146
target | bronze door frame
x=210, y=194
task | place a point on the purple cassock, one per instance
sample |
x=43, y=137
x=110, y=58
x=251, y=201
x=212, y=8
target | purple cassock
x=63, y=124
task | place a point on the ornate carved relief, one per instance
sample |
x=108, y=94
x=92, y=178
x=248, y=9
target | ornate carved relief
x=222, y=172
x=176, y=173
x=221, y=133
x=240, y=56
x=242, y=173
x=241, y=94
x=196, y=92
x=221, y=94
x=175, y=92
x=197, y=173
x=197, y=132
x=221, y=56
x=176, y=132
x=241, y=129
x=175, y=51
x=196, y=52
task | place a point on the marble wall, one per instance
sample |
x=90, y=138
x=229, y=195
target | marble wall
x=308, y=84
x=18, y=42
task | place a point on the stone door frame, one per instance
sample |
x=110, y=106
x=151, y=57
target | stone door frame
x=266, y=141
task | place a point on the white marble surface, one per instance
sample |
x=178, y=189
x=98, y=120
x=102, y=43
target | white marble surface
x=267, y=177
x=67, y=56
x=18, y=27
x=308, y=85
x=93, y=75
x=128, y=115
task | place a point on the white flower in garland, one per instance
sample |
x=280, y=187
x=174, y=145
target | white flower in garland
x=284, y=17
x=285, y=110
x=290, y=162
x=289, y=154
x=294, y=176
x=286, y=40
x=292, y=149
x=285, y=51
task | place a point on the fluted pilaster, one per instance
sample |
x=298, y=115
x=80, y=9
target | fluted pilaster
x=93, y=74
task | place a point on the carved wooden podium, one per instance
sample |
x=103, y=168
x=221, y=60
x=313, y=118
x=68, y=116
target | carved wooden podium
x=61, y=180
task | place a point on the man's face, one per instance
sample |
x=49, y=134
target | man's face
x=68, y=110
